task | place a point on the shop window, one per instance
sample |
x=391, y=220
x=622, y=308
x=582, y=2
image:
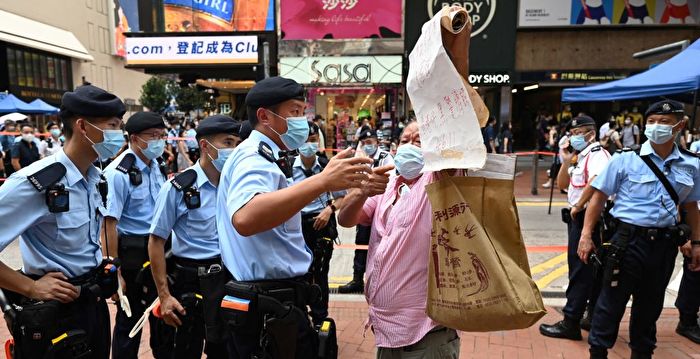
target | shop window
x=36, y=63
x=29, y=73
x=51, y=72
x=44, y=72
x=64, y=75
x=21, y=75
x=59, y=74
x=11, y=66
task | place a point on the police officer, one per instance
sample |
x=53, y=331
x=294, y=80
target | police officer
x=56, y=207
x=259, y=223
x=369, y=144
x=134, y=179
x=577, y=172
x=318, y=222
x=688, y=302
x=641, y=254
x=187, y=205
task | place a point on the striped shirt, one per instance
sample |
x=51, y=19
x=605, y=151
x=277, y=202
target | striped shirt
x=397, y=263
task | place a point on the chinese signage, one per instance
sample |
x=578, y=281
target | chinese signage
x=340, y=19
x=480, y=11
x=191, y=50
x=540, y=13
x=342, y=70
x=572, y=76
x=219, y=15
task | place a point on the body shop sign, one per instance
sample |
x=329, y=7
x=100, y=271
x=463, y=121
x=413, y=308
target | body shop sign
x=480, y=11
x=340, y=19
x=342, y=70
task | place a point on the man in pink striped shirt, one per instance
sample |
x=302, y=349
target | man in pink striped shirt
x=397, y=264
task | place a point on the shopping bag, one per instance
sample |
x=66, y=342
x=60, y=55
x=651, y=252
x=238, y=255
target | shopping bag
x=479, y=276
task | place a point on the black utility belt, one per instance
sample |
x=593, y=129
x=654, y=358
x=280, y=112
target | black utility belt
x=296, y=290
x=195, y=268
x=679, y=233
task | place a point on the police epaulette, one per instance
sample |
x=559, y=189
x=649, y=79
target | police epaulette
x=596, y=148
x=127, y=162
x=47, y=176
x=266, y=151
x=689, y=153
x=184, y=180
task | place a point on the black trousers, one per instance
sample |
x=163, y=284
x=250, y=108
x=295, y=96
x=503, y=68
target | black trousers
x=124, y=347
x=322, y=249
x=189, y=338
x=247, y=343
x=584, y=286
x=645, y=271
x=688, y=300
x=360, y=261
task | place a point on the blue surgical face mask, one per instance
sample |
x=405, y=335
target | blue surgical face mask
x=370, y=150
x=578, y=142
x=154, y=150
x=112, y=142
x=409, y=161
x=297, y=132
x=55, y=132
x=222, y=155
x=308, y=149
x=659, y=134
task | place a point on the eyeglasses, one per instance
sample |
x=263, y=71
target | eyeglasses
x=153, y=136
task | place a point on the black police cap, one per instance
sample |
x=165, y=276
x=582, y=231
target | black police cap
x=581, y=121
x=217, y=124
x=665, y=107
x=142, y=121
x=367, y=134
x=272, y=91
x=92, y=101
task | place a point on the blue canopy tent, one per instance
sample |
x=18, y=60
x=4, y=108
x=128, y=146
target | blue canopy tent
x=679, y=74
x=12, y=104
x=43, y=106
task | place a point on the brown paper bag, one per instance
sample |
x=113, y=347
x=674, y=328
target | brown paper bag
x=479, y=276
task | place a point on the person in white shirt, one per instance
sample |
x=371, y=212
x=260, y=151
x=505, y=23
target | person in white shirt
x=52, y=143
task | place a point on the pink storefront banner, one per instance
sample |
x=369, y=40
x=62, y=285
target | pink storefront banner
x=340, y=19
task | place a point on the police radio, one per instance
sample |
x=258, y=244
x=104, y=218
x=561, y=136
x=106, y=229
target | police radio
x=47, y=179
x=135, y=176
x=184, y=182
x=192, y=199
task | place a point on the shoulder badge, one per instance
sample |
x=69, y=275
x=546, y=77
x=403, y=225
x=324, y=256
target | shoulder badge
x=127, y=162
x=266, y=151
x=47, y=176
x=184, y=180
x=596, y=148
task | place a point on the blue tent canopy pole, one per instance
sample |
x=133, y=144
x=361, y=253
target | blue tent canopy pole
x=695, y=110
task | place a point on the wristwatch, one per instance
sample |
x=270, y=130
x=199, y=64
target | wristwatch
x=333, y=207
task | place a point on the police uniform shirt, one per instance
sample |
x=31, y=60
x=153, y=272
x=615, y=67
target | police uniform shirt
x=317, y=205
x=641, y=198
x=195, y=229
x=278, y=253
x=132, y=206
x=588, y=165
x=66, y=242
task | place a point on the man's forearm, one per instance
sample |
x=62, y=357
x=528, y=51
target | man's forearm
x=587, y=193
x=351, y=212
x=14, y=281
x=595, y=208
x=110, y=237
x=563, y=175
x=156, y=254
x=269, y=210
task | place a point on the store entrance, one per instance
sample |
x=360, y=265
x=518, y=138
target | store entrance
x=346, y=110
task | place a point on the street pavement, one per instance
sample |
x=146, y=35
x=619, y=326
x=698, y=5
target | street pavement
x=545, y=239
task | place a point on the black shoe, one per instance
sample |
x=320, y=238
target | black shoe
x=562, y=329
x=691, y=332
x=354, y=286
x=598, y=353
x=586, y=322
x=640, y=355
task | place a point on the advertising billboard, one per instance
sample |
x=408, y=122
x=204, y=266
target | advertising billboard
x=340, y=19
x=542, y=13
x=219, y=15
x=191, y=50
x=342, y=69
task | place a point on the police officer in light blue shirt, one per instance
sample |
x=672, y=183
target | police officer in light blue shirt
x=56, y=208
x=641, y=255
x=258, y=211
x=187, y=206
x=135, y=178
x=318, y=223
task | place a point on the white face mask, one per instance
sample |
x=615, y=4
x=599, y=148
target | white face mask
x=28, y=137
